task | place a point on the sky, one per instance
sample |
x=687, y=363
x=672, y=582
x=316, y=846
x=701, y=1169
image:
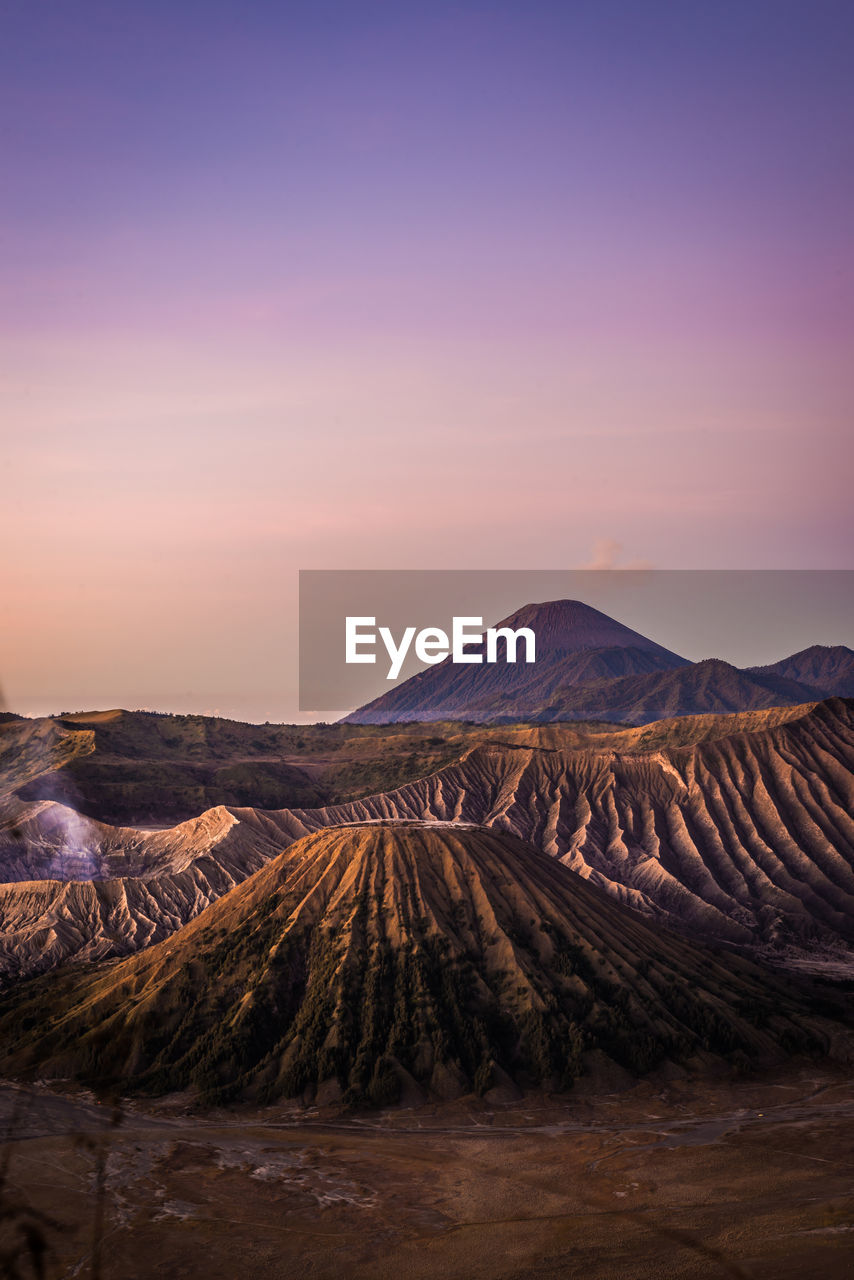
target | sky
x=342, y=285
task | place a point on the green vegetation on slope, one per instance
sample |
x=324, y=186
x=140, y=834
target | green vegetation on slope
x=137, y=767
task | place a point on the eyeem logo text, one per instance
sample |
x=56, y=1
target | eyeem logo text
x=432, y=643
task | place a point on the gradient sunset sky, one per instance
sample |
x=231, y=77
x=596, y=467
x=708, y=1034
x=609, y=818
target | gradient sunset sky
x=402, y=285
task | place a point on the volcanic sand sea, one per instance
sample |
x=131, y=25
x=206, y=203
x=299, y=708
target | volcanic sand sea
x=746, y=1179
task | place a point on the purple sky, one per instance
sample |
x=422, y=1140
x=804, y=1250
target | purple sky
x=343, y=285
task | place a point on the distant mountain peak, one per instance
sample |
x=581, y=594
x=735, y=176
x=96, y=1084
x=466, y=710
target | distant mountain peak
x=573, y=626
x=829, y=668
x=838, y=651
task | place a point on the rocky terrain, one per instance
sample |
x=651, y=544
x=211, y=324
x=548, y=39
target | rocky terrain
x=734, y=827
x=405, y=959
x=749, y=835
x=83, y=890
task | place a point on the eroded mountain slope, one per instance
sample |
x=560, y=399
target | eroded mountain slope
x=375, y=959
x=747, y=836
x=744, y=835
x=82, y=890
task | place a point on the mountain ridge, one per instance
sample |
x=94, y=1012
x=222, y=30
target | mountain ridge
x=573, y=642
x=590, y=666
x=737, y=827
x=828, y=667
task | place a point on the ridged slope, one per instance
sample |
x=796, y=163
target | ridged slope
x=46, y=840
x=744, y=834
x=371, y=958
x=30, y=748
x=749, y=836
x=79, y=889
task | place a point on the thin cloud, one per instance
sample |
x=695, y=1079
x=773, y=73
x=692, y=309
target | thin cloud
x=607, y=553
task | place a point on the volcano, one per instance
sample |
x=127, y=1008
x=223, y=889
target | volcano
x=386, y=959
x=590, y=667
x=576, y=644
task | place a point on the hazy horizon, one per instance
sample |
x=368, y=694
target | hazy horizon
x=745, y=618
x=304, y=286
